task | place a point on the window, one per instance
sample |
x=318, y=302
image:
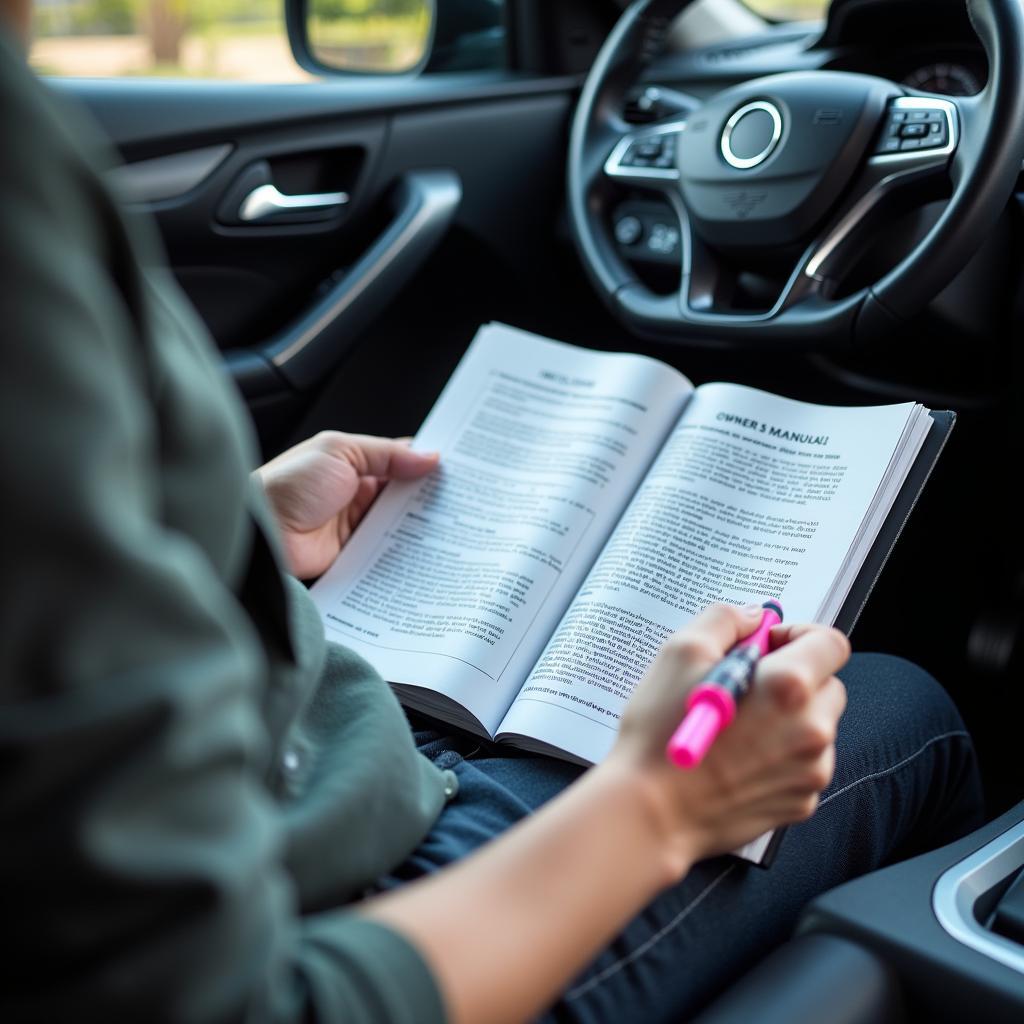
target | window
x=227, y=39
x=790, y=10
x=246, y=40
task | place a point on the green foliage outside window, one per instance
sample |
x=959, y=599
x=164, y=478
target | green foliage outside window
x=226, y=39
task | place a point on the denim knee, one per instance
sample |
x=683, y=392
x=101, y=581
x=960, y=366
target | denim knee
x=902, y=742
x=891, y=690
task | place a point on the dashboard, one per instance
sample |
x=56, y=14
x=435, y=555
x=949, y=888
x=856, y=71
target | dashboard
x=924, y=45
x=936, y=68
x=948, y=77
x=927, y=46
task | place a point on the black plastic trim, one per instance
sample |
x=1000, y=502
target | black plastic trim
x=819, y=978
x=890, y=912
x=182, y=111
x=253, y=373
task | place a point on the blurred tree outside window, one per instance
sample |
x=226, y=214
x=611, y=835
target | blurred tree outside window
x=244, y=40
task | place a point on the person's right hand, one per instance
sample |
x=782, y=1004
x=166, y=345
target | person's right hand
x=768, y=766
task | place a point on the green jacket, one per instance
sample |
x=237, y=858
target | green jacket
x=192, y=782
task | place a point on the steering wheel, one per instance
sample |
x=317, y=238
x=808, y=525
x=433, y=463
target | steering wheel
x=794, y=170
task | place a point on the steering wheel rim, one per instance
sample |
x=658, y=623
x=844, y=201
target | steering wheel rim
x=980, y=166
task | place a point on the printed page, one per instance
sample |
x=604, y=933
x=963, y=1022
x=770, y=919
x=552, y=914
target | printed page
x=455, y=583
x=753, y=497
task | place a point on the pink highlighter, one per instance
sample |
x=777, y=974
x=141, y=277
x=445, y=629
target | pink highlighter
x=711, y=706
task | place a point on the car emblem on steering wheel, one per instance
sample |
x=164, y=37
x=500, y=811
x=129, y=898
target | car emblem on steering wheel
x=751, y=134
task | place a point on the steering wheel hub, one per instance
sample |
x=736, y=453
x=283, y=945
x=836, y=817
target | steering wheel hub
x=751, y=134
x=760, y=165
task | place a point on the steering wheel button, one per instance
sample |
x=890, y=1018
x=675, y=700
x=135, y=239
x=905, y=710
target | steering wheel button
x=911, y=144
x=913, y=131
x=663, y=239
x=890, y=145
x=628, y=230
x=634, y=156
x=898, y=115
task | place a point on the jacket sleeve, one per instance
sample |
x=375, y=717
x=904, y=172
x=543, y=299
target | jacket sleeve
x=143, y=876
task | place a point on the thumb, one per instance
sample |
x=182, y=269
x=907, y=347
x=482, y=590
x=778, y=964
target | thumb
x=385, y=458
x=406, y=464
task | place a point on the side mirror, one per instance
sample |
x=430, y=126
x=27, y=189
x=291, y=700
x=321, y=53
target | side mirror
x=377, y=37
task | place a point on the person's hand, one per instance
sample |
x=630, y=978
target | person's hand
x=768, y=767
x=321, y=488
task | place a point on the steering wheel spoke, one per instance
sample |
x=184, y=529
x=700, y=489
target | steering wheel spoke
x=974, y=116
x=647, y=158
x=910, y=166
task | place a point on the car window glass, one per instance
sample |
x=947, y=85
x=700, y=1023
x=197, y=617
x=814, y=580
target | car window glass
x=790, y=10
x=243, y=40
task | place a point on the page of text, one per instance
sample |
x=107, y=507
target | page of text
x=753, y=497
x=455, y=582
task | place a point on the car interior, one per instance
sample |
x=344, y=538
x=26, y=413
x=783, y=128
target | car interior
x=557, y=165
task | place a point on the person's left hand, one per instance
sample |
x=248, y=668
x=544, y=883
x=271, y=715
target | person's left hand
x=321, y=488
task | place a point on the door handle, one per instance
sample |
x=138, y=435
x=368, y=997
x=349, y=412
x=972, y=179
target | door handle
x=266, y=200
x=425, y=203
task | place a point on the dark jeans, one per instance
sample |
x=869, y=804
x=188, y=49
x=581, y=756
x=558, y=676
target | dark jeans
x=906, y=780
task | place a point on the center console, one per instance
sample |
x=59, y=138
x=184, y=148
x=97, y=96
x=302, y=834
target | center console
x=939, y=938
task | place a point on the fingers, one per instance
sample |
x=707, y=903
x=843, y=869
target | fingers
x=707, y=637
x=368, y=488
x=814, y=731
x=382, y=457
x=787, y=633
x=806, y=661
x=831, y=699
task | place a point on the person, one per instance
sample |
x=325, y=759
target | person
x=208, y=813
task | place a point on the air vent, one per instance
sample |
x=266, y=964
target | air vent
x=655, y=102
x=642, y=106
x=728, y=53
x=785, y=42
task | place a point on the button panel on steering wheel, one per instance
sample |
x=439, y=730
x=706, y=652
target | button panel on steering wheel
x=913, y=124
x=647, y=155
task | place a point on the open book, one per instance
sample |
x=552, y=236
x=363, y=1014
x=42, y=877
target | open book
x=586, y=506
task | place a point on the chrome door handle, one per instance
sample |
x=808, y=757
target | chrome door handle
x=265, y=201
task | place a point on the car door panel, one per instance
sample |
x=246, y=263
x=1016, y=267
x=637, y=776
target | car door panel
x=265, y=289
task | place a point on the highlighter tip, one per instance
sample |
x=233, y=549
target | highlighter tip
x=682, y=757
x=697, y=731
